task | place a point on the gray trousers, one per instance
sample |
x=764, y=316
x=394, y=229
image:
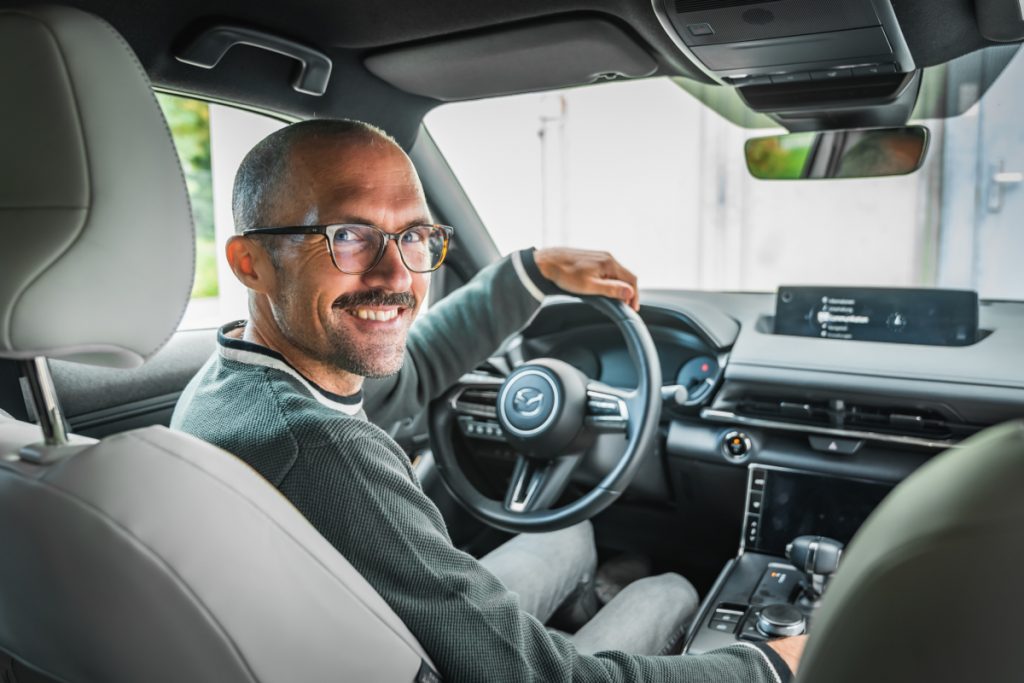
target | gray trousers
x=647, y=617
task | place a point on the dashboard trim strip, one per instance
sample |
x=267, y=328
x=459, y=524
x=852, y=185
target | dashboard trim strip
x=729, y=417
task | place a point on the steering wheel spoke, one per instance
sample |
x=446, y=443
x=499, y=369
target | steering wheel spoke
x=608, y=408
x=537, y=484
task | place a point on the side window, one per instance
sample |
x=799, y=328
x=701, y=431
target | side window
x=211, y=140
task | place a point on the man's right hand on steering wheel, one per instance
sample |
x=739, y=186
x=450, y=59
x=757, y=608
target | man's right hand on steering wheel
x=581, y=271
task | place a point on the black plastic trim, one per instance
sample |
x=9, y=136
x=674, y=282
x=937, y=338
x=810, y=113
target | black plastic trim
x=209, y=47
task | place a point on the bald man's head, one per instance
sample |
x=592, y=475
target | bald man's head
x=266, y=173
x=320, y=173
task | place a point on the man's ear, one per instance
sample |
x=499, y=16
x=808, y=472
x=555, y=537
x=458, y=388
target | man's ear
x=250, y=263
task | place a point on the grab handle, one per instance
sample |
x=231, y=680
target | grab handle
x=209, y=47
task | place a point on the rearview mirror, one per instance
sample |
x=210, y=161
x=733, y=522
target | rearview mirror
x=837, y=154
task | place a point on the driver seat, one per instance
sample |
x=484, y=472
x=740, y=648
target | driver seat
x=150, y=555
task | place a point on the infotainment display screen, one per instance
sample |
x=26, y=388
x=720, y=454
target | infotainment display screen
x=938, y=317
x=793, y=504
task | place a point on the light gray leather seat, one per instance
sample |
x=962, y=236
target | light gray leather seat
x=148, y=556
x=930, y=588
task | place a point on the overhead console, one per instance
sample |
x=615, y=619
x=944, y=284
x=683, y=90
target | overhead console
x=757, y=42
x=797, y=58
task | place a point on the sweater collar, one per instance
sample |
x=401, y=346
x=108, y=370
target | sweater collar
x=242, y=351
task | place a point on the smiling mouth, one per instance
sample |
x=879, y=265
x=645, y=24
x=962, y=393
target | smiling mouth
x=375, y=314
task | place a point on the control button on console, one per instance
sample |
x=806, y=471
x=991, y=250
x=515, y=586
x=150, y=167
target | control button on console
x=828, y=444
x=729, y=617
x=722, y=626
x=700, y=29
x=755, y=503
x=750, y=533
x=750, y=631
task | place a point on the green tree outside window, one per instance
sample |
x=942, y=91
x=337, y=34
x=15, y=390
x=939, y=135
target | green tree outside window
x=189, y=121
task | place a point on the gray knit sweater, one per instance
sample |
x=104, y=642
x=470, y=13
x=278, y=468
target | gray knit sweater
x=357, y=487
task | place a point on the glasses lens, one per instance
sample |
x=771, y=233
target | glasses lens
x=423, y=247
x=356, y=247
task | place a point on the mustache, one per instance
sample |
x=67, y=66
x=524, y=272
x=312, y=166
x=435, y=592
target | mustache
x=376, y=297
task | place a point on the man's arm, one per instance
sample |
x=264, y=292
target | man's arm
x=467, y=326
x=467, y=621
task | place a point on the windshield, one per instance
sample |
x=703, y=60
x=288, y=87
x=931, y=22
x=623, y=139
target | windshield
x=645, y=170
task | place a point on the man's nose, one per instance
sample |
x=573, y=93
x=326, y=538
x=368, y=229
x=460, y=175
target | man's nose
x=391, y=272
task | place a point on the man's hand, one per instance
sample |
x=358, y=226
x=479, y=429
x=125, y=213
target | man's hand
x=588, y=272
x=790, y=649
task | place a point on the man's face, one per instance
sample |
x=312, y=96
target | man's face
x=355, y=323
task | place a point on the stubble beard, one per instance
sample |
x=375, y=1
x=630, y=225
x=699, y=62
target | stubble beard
x=377, y=359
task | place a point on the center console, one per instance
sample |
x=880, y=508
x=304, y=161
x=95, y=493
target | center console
x=795, y=526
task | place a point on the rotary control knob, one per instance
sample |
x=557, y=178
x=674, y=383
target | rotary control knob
x=777, y=621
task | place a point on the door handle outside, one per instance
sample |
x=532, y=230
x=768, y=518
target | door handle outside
x=1000, y=180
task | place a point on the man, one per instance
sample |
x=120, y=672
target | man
x=318, y=206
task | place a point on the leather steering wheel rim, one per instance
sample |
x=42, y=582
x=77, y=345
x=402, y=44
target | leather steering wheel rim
x=641, y=429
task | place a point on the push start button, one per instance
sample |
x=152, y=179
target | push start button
x=737, y=446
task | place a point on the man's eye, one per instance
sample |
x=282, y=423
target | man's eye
x=346, y=235
x=414, y=236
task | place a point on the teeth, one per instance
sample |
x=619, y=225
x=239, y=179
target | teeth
x=367, y=314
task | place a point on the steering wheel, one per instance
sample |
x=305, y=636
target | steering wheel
x=549, y=413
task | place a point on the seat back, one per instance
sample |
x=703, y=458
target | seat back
x=153, y=556
x=150, y=555
x=929, y=589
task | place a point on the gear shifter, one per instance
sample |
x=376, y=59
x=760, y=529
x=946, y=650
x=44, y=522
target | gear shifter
x=819, y=557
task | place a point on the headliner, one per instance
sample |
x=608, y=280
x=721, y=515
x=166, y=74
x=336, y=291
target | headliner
x=347, y=30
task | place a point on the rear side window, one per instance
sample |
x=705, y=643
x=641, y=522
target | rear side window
x=211, y=140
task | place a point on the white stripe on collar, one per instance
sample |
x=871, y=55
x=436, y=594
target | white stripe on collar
x=255, y=358
x=524, y=277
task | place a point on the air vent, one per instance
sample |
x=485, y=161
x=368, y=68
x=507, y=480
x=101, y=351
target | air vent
x=685, y=6
x=478, y=402
x=840, y=415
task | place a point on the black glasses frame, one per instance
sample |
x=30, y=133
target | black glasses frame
x=328, y=232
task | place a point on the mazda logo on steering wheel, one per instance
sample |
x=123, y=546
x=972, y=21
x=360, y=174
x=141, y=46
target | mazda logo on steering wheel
x=528, y=401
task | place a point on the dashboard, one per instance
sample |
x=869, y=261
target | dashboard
x=851, y=419
x=870, y=410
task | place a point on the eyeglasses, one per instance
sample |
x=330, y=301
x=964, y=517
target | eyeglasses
x=357, y=249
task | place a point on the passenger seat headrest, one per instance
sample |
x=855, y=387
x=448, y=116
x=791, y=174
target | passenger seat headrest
x=98, y=245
